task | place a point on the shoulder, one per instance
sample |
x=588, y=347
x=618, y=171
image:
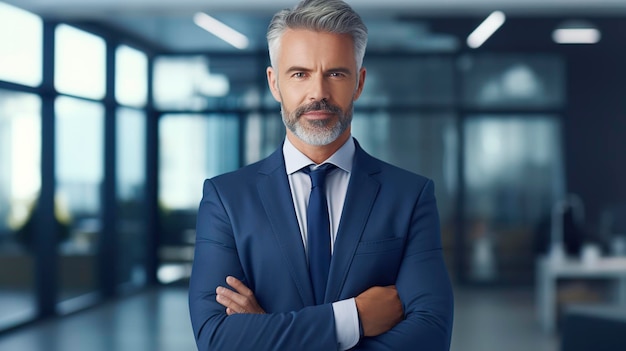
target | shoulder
x=249, y=174
x=238, y=177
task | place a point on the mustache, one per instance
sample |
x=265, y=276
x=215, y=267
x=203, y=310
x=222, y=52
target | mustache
x=321, y=105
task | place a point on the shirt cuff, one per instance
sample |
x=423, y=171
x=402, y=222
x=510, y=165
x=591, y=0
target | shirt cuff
x=346, y=323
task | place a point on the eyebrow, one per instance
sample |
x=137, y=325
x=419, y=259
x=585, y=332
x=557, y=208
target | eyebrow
x=344, y=70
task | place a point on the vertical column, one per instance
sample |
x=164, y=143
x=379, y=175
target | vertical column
x=152, y=182
x=108, y=240
x=46, y=257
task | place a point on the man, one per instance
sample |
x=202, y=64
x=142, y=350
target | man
x=264, y=278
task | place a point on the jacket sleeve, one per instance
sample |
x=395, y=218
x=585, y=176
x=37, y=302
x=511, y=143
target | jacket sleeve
x=423, y=286
x=311, y=328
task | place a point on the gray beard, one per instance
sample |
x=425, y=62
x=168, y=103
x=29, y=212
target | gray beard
x=319, y=132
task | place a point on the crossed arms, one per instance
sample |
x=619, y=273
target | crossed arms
x=379, y=307
x=225, y=319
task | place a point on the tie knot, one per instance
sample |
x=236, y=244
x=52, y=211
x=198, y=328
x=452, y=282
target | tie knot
x=318, y=175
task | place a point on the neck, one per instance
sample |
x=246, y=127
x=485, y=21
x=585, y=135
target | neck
x=318, y=153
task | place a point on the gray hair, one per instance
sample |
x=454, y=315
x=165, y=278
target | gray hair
x=332, y=16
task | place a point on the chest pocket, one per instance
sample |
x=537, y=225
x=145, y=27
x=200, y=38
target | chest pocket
x=376, y=263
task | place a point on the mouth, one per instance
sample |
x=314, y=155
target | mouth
x=318, y=115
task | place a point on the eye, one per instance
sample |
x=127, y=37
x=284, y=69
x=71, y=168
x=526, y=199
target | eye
x=337, y=74
x=299, y=75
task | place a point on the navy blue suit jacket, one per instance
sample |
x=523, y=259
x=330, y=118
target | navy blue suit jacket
x=388, y=234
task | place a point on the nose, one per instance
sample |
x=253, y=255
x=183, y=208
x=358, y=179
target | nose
x=318, y=88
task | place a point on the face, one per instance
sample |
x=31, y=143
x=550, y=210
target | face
x=316, y=82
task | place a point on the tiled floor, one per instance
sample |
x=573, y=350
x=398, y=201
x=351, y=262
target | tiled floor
x=158, y=320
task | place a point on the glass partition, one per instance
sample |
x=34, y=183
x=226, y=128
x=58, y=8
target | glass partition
x=408, y=81
x=264, y=134
x=20, y=184
x=512, y=81
x=78, y=198
x=131, y=197
x=513, y=175
x=195, y=83
x=192, y=149
x=21, y=45
x=79, y=63
x=131, y=77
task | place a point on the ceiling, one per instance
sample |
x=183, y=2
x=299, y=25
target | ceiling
x=169, y=24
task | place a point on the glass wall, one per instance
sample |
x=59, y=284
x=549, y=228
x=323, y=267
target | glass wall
x=197, y=83
x=20, y=159
x=131, y=89
x=513, y=175
x=21, y=45
x=192, y=149
x=78, y=198
x=264, y=133
x=21, y=36
x=52, y=162
x=131, y=77
x=80, y=70
x=513, y=163
x=408, y=81
x=519, y=81
x=79, y=63
x=132, y=234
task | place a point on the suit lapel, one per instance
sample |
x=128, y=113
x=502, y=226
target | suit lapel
x=360, y=197
x=273, y=187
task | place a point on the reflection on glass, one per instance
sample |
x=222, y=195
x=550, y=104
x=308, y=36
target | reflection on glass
x=21, y=37
x=513, y=173
x=131, y=201
x=131, y=77
x=195, y=83
x=192, y=148
x=264, y=134
x=408, y=81
x=20, y=159
x=79, y=176
x=425, y=144
x=79, y=63
x=512, y=81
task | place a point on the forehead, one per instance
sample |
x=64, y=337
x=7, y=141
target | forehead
x=304, y=47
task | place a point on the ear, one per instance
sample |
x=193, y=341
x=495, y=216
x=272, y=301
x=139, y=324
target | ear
x=360, y=84
x=272, y=81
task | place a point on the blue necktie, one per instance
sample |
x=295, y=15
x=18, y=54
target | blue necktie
x=318, y=231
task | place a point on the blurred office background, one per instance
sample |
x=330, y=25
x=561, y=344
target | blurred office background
x=113, y=112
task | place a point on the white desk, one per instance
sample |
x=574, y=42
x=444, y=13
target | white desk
x=550, y=271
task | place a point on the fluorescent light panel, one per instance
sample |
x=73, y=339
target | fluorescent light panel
x=221, y=30
x=576, y=35
x=486, y=29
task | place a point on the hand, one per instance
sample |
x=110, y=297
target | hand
x=379, y=308
x=241, y=300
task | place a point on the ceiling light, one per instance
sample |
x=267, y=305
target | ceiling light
x=486, y=29
x=576, y=32
x=221, y=30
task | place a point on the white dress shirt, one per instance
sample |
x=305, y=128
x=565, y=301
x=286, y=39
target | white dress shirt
x=346, y=315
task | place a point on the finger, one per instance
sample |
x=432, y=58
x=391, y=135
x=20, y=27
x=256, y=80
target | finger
x=238, y=299
x=231, y=306
x=229, y=299
x=239, y=286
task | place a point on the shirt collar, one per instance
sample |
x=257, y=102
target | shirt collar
x=296, y=160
